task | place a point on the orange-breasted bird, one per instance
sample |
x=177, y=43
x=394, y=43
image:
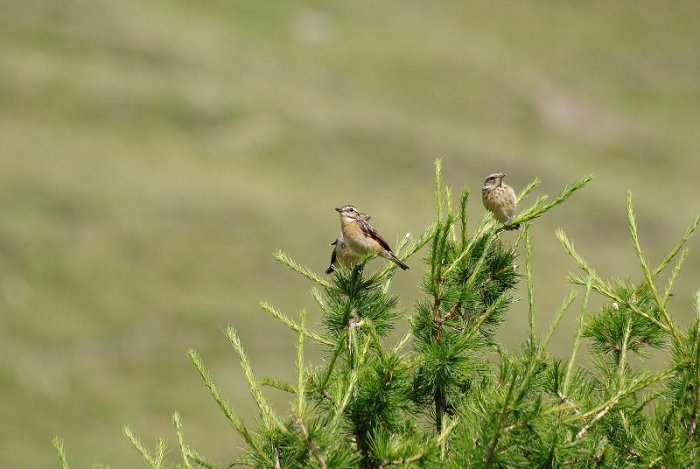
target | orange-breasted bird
x=362, y=238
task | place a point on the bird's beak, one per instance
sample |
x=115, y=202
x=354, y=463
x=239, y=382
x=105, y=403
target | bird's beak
x=338, y=209
x=503, y=175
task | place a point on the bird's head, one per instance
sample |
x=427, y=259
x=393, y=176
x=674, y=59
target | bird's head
x=493, y=181
x=348, y=211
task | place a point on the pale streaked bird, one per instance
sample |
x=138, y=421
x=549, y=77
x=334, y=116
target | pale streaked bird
x=362, y=238
x=342, y=254
x=499, y=199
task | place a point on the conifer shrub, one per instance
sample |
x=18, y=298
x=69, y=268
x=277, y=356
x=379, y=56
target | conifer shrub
x=448, y=394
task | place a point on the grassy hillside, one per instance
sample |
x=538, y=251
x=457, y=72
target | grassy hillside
x=154, y=154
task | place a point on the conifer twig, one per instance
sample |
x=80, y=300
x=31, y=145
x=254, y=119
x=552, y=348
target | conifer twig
x=692, y=427
x=483, y=317
x=58, y=446
x=317, y=295
x=539, y=208
x=200, y=460
x=535, y=183
x=536, y=360
x=647, y=273
x=684, y=239
x=579, y=333
x=235, y=422
x=350, y=390
x=674, y=275
x=636, y=386
x=294, y=326
x=491, y=448
x=467, y=251
x=536, y=353
x=277, y=384
x=301, y=390
x=448, y=202
x=440, y=243
x=530, y=286
x=557, y=319
x=266, y=413
x=184, y=451
x=331, y=364
x=622, y=359
x=156, y=460
x=438, y=189
x=283, y=257
x=464, y=215
x=598, y=285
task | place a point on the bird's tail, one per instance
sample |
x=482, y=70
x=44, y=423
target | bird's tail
x=392, y=257
x=330, y=269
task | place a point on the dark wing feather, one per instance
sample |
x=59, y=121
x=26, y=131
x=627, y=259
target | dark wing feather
x=334, y=256
x=369, y=231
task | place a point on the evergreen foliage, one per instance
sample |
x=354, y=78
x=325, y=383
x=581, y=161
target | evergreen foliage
x=447, y=394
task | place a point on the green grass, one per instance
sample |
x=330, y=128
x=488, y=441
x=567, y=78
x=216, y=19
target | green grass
x=155, y=155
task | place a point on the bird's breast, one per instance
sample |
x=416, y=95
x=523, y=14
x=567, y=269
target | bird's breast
x=354, y=236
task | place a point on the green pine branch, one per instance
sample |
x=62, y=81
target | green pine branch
x=367, y=401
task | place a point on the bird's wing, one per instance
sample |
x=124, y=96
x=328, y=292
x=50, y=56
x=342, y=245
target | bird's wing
x=334, y=256
x=510, y=205
x=370, y=232
x=331, y=267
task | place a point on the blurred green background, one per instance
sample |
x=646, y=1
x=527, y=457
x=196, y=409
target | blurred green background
x=154, y=154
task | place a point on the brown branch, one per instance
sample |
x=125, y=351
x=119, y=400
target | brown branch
x=440, y=408
x=309, y=442
x=696, y=398
x=491, y=450
x=361, y=441
x=436, y=320
x=631, y=453
x=692, y=427
x=566, y=400
x=277, y=458
x=598, y=416
x=452, y=312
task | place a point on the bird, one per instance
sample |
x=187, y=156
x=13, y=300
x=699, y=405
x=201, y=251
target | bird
x=499, y=199
x=342, y=254
x=362, y=238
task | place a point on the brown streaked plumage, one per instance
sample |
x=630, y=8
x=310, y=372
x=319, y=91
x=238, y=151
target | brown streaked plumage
x=342, y=254
x=361, y=237
x=499, y=199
